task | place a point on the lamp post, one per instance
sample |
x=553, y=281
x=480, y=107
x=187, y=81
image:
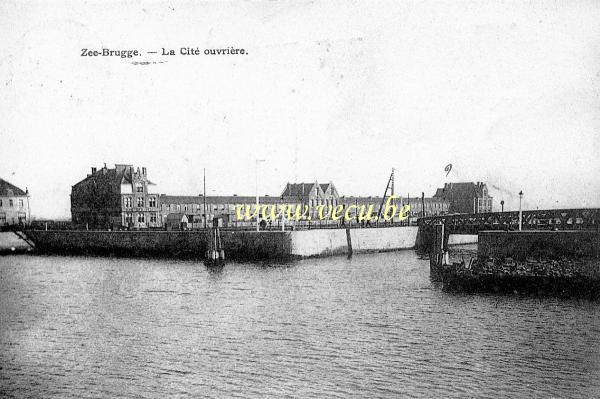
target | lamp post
x=502, y=205
x=257, y=202
x=204, y=197
x=520, y=210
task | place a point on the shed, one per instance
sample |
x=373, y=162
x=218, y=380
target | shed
x=177, y=221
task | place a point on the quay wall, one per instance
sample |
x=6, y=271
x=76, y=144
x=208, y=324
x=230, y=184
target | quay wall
x=520, y=245
x=323, y=242
x=243, y=245
x=556, y=263
x=240, y=245
x=327, y=242
x=383, y=239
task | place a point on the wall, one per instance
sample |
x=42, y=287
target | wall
x=383, y=239
x=326, y=242
x=462, y=239
x=9, y=215
x=243, y=245
x=538, y=244
x=320, y=242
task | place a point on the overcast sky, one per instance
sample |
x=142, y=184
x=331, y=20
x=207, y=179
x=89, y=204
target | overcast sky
x=508, y=92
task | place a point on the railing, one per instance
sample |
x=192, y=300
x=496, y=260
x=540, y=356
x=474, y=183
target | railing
x=303, y=225
x=553, y=219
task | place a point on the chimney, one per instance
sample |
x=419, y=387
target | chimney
x=144, y=170
x=93, y=169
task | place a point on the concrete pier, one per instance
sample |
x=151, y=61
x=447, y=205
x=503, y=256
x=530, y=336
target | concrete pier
x=241, y=245
x=238, y=244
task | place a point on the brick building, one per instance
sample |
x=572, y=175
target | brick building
x=14, y=205
x=115, y=198
x=466, y=197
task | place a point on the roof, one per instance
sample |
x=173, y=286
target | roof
x=460, y=190
x=121, y=174
x=216, y=199
x=298, y=189
x=176, y=217
x=7, y=189
x=377, y=200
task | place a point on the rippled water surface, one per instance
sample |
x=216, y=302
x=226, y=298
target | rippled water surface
x=370, y=326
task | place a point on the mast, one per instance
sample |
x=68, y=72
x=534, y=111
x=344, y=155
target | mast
x=389, y=184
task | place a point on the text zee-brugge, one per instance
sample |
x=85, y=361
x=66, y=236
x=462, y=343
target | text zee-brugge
x=109, y=53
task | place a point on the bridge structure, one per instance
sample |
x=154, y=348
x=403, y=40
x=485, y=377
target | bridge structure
x=549, y=219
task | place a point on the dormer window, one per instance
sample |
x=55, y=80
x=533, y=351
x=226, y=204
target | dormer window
x=139, y=188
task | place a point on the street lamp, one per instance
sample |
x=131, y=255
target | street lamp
x=502, y=205
x=257, y=203
x=520, y=210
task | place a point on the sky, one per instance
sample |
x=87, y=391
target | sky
x=506, y=92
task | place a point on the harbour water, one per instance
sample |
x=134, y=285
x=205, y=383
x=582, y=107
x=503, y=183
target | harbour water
x=370, y=326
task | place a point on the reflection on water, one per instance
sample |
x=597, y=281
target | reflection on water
x=369, y=326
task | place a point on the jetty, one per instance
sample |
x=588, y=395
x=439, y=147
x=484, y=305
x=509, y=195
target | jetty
x=536, y=262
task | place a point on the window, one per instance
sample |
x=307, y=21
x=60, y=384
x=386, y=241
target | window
x=140, y=202
x=139, y=188
x=128, y=218
x=152, y=202
x=153, y=217
x=0, y=203
x=20, y=203
x=127, y=202
x=140, y=218
x=2, y=217
x=10, y=203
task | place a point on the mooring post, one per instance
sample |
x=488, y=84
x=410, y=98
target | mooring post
x=436, y=251
x=349, y=241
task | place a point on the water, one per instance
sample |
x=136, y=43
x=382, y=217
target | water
x=370, y=326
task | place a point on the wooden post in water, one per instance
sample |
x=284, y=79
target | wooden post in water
x=436, y=254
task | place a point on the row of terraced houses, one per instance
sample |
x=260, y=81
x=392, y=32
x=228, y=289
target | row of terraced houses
x=122, y=197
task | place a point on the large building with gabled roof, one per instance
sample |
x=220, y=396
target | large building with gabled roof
x=14, y=205
x=115, y=198
x=311, y=194
x=466, y=197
